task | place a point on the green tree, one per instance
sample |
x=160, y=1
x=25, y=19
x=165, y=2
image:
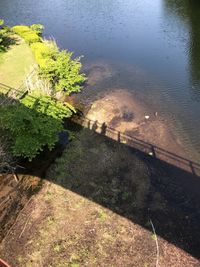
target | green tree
x=48, y=106
x=29, y=131
x=3, y=35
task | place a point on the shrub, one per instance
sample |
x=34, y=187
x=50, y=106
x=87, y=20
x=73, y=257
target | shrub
x=43, y=52
x=4, y=34
x=56, y=66
x=64, y=73
x=29, y=130
x=21, y=29
x=38, y=28
x=48, y=106
x=29, y=35
x=33, y=123
x=1, y=35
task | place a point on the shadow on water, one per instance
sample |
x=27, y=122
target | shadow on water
x=189, y=12
x=135, y=182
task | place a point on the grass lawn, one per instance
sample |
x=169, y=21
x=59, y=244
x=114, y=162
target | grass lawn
x=15, y=64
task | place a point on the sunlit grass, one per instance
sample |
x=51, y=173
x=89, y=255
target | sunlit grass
x=15, y=63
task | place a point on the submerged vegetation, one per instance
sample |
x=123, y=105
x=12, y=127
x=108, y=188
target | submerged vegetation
x=34, y=122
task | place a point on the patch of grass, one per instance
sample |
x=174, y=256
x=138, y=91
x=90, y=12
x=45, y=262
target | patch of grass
x=51, y=221
x=74, y=265
x=48, y=196
x=57, y=248
x=103, y=216
x=15, y=64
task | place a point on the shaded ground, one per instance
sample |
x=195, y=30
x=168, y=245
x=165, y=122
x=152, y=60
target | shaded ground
x=95, y=211
x=15, y=63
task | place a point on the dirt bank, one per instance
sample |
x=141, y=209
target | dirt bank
x=95, y=210
x=14, y=194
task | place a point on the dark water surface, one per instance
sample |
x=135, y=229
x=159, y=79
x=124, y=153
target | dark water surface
x=159, y=40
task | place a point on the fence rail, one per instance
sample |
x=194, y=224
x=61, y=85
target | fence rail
x=148, y=148
x=11, y=92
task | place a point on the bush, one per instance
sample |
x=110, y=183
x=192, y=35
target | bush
x=4, y=34
x=43, y=52
x=38, y=28
x=29, y=130
x=33, y=123
x=1, y=35
x=48, y=106
x=64, y=73
x=56, y=66
x=21, y=29
x=29, y=35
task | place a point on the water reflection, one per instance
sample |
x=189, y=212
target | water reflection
x=189, y=12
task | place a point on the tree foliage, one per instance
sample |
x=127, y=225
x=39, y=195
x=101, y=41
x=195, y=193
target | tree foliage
x=48, y=106
x=7, y=162
x=35, y=121
x=29, y=130
x=64, y=72
x=4, y=33
x=58, y=67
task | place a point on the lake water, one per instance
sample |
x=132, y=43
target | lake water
x=158, y=40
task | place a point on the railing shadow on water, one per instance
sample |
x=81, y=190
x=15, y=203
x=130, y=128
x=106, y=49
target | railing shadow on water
x=146, y=147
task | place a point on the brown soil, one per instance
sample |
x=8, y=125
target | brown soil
x=14, y=194
x=94, y=211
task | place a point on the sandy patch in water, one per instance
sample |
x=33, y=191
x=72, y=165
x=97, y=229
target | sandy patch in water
x=119, y=110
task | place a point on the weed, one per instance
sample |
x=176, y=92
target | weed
x=57, y=248
x=102, y=216
x=50, y=221
x=48, y=195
